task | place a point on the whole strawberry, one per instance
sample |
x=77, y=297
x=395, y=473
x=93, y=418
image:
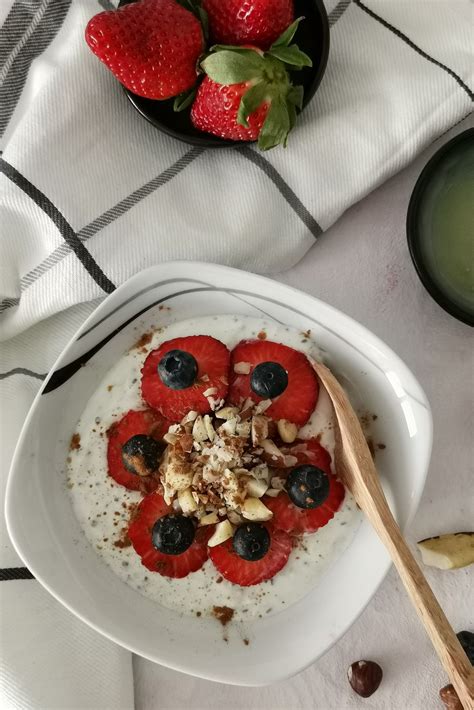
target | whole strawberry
x=152, y=47
x=247, y=94
x=257, y=22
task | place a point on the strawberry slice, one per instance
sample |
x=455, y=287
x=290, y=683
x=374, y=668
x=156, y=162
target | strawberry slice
x=148, y=422
x=198, y=363
x=295, y=520
x=151, y=508
x=295, y=401
x=245, y=573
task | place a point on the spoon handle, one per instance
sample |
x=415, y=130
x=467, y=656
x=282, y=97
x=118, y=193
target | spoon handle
x=438, y=628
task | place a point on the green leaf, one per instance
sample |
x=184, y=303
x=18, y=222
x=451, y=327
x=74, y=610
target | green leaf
x=276, y=127
x=285, y=38
x=184, y=100
x=295, y=96
x=250, y=102
x=230, y=67
x=291, y=55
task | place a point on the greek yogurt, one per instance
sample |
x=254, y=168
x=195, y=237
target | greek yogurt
x=103, y=507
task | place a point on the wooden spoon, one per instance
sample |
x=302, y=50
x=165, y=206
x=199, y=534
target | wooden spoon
x=357, y=471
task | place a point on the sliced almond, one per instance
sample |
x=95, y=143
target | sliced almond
x=186, y=501
x=168, y=493
x=210, y=391
x=209, y=519
x=223, y=532
x=227, y=413
x=259, y=429
x=289, y=461
x=211, y=432
x=170, y=438
x=242, y=368
x=199, y=430
x=254, y=509
x=256, y=488
x=287, y=431
x=449, y=551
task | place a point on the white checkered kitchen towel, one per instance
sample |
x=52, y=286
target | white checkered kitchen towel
x=90, y=193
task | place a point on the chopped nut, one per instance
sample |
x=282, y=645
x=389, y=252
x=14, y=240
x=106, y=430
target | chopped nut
x=449, y=551
x=289, y=461
x=287, y=431
x=229, y=427
x=190, y=417
x=263, y=406
x=170, y=438
x=261, y=471
x=209, y=519
x=278, y=483
x=273, y=492
x=259, y=429
x=365, y=677
x=243, y=429
x=272, y=453
x=254, y=509
x=210, y=391
x=211, y=432
x=186, y=501
x=242, y=368
x=234, y=517
x=199, y=430
x=227, y=413
x=256, y=488
x=450, y=698
x=223, y=532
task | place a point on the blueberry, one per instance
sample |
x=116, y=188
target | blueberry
x=307, y=486
x=466, y=639
x=173, y=534
x=251, y=541
x=141, y=454
x=269, y=379
x=177, y=369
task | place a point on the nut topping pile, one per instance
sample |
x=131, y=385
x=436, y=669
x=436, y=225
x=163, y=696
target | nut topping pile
x=217, y=467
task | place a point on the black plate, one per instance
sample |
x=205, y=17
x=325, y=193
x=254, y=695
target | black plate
x=454, y=146
x=312, y=37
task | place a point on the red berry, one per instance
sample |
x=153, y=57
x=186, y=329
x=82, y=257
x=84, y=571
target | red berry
x=147, y=422
x=215, y=111
x=294, y=520
x=152, y=47
x=212, y=358
x=240, y=571
x=258, y=22
x=151, y=509
x=297, y=402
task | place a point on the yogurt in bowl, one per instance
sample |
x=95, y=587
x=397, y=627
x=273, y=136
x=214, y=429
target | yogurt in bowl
x=48, y=521
x=103, y=507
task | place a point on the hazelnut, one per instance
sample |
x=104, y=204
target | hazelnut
x=450, y=698
x=364, y=677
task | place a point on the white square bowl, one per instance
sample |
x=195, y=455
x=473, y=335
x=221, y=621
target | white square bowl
x=47, y=535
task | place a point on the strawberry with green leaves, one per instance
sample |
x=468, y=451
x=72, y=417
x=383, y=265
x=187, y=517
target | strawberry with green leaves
x=247, y=93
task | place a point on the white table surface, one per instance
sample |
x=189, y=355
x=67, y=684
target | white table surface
x=362, y=266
